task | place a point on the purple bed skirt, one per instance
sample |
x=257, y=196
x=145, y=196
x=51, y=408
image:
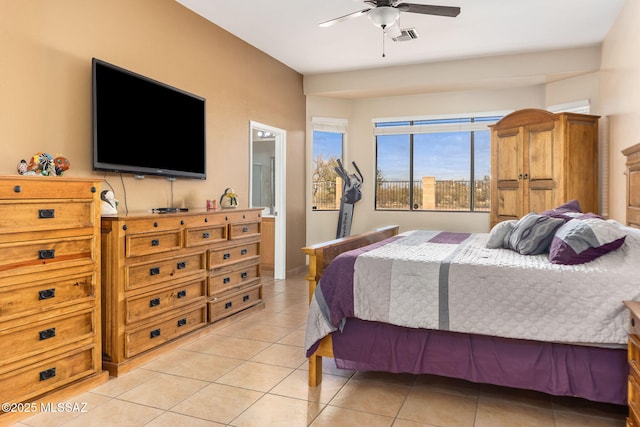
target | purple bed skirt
x=593, y=373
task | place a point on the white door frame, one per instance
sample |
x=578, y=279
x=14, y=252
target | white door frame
x=280, y=261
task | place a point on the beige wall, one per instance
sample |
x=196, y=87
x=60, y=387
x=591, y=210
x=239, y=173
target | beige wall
x=620, y=99
x=45, y=87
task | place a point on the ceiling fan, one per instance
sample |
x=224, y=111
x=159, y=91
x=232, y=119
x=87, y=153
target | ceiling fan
x=385, y=13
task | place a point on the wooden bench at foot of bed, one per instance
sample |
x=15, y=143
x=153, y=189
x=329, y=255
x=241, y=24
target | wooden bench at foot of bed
x=320, y=255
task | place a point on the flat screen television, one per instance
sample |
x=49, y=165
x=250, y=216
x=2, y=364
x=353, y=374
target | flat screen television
x=146, y=127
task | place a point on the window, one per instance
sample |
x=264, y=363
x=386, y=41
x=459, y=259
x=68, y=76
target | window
x=328, y=141
x=439, y=164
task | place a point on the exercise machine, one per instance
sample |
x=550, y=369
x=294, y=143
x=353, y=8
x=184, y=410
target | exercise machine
x=351, y=193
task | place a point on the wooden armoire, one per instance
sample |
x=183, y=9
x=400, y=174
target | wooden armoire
x=540, y=160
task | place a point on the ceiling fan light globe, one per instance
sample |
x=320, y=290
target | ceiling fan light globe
x=384, y=16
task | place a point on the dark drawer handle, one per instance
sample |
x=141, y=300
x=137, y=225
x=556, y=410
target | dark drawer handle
x=182, y=322
x=245, y=229
x=155, y=242
x=182, y=293
x=245, y=298
x=155, y=333
x=154, y=302
x=228, y=305
x=154, y=271
x=46, y=213
x=46, y=293
x=226, y=280
x=181, y=265
x=244, y=251
x=47, y=254
x=244, y=274
x=226, y=256
x=205, y=235
x=47, y=333
x=49, y=373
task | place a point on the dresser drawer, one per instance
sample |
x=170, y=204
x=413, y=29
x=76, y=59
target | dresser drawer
x=244, y=230
x=233, y=279
x=234, y=216
x=39, y=336
x=44, y=376
x=206, y=235
x=163, y=330
x=24, y=188
x=152, y=243
x=633, y=354
x=41, y=215
x=65, y=287
x=154, y=224
x=152, y=303
x=233, y=254
x=154, y=272
x=220, y=307
x=633, y=394
x=205, y=220
x=46, y=253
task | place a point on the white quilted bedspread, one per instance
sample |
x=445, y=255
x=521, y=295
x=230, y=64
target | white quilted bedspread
x=469, y=288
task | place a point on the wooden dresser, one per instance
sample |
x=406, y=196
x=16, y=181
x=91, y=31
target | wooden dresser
x=540, y=160
x=633, y=184
x=166, y=276
x=634, y=364
x=49, y=292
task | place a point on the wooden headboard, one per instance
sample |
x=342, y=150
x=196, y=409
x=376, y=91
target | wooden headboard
x=321, y=254
x=633, y=185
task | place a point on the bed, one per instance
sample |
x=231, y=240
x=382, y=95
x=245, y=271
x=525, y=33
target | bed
x=442, y=303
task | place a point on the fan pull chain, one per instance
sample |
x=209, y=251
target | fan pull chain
x=383, y=54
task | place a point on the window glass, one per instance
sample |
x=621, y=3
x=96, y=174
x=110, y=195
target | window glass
x=392, y=172
x=442, y=168
x=482, y=170
x=434, y=164
x=327, y=150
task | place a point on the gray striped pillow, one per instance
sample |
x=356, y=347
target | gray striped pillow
x=532, y=234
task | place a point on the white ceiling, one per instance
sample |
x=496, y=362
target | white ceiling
x=288, y=30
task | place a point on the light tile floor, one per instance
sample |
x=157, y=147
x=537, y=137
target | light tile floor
x=252, y=372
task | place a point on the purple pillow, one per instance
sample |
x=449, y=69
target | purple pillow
x=570, y=206
x=582, y=240
x=565, y=211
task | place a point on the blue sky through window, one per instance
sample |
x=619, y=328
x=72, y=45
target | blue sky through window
x=444, y=155
x=327, y=144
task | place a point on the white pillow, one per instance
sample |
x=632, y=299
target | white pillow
x=499, y=232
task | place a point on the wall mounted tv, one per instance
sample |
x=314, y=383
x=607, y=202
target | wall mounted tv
x=146, y=127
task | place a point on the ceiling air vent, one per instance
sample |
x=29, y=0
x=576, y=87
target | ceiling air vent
x=406, y=34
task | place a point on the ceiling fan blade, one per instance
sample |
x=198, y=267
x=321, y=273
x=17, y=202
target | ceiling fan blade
x=343, y=18
x=429, y=10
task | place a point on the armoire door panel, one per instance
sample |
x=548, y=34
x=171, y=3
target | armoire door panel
x=540, y=200
x=540, y=164
x=509, y=203
x=509, y=157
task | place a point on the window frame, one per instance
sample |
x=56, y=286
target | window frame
x=466, y=122
x=332, y=125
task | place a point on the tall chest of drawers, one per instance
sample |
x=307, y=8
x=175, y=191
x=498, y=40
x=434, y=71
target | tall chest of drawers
x=49, y=288
x=168, y=276
x=633, y=420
